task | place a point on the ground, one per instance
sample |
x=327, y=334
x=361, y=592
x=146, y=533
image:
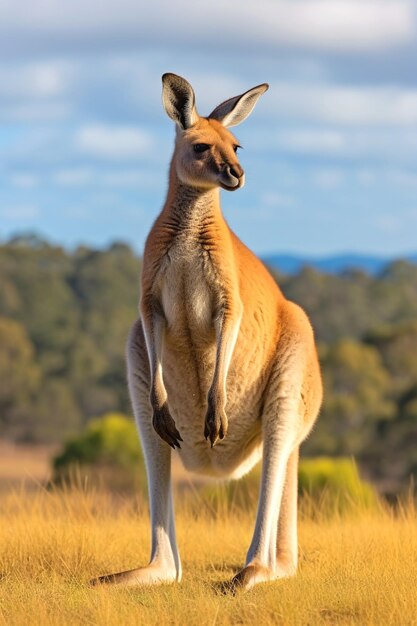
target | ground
x=359, y=568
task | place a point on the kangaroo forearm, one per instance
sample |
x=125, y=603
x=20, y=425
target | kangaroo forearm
x=153, y=327
x=226, y=335
x=216, y=422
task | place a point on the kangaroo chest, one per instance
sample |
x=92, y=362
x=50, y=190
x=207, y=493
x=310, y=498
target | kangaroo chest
x=187, y=291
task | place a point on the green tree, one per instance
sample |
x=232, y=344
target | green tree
x=19, y=376
x=398, y=348
x=57, y=414
x=357, y=397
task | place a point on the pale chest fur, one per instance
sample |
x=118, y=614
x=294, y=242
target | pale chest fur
x=185, y=288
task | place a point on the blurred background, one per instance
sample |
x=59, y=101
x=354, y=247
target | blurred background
x=330, y=203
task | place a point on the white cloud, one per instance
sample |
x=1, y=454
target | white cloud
x=113, y=142
x=385, y=144
x=73, y=155
x=313, y=141
x=122, y=178
x=35, y=80
x=24, y=180
x=327, y=178
x=35, y=91
x=347, y=25
x=73, y=177
x=356, y=106
x=318, y=24
x=22, y=111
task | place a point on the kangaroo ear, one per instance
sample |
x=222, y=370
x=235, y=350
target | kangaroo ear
x=233, y=111
x=179, y=100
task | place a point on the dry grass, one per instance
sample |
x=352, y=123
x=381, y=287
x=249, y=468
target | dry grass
x=360, y=569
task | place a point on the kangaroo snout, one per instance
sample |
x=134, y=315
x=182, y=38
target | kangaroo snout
x=232, y=176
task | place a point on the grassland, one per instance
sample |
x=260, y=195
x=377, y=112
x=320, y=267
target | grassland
x=24, y=463
x=360, y=568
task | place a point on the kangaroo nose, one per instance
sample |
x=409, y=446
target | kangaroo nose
x=234, y=170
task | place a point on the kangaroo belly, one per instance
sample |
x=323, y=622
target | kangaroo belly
x=188, y=376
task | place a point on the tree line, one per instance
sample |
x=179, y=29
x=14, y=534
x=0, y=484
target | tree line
x=64, y=319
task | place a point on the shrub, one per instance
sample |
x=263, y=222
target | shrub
x=326, y=486
x=107, y=453
x=333, y=485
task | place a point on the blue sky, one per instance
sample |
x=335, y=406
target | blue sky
x=330, y=151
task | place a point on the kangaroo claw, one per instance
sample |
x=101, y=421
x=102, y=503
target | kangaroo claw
x=164, y=425
x=215, y=424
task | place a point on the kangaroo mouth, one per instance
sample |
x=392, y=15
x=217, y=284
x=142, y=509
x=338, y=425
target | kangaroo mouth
x=228, y=187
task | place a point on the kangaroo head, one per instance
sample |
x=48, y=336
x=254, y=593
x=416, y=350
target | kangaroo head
x=205, y=151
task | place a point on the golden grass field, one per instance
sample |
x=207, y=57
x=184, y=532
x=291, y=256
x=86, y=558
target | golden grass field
x=360, y=568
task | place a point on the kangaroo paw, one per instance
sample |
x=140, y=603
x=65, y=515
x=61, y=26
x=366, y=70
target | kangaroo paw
x=165, y=426
x=215, y=424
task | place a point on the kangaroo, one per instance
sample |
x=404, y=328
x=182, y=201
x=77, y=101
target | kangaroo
x=220, y=365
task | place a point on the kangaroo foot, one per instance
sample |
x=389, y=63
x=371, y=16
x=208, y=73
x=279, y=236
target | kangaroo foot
x=153, y=574
x=250, y=576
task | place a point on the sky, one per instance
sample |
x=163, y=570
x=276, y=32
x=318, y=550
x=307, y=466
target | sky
x=330, y=151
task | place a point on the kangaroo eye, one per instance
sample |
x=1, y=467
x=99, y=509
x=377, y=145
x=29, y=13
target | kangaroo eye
x=236, y=147
x=200, y=147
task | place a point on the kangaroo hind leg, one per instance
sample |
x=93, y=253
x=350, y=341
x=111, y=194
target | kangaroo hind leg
x=164, y=565
x=273, y=550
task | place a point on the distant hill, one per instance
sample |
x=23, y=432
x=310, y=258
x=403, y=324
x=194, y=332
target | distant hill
x=292, y=264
